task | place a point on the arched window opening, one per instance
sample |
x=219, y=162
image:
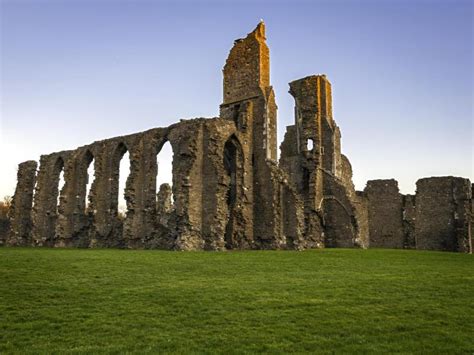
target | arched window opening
x=230, y=165
x=90, y=162
x=59, y=170
x=124, y=171
x=310, y=145
x=233, y=165
x=164, y=163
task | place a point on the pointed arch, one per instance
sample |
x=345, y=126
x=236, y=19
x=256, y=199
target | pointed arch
x=58, y=177
x=88, y=162
x=233, y=159
x=119, y=178
x=164, y=164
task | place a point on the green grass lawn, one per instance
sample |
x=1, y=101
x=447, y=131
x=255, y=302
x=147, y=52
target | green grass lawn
x=333, y=300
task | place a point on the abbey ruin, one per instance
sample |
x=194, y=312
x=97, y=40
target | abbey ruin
x=229, y=189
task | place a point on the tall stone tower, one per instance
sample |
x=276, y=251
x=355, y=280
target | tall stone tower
x=247, y=91
x=311, y=154
x=249, y=101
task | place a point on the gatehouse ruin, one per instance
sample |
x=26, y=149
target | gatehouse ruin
x=230, y=190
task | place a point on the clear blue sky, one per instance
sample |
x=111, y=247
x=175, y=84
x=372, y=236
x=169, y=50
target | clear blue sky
x=402, y=73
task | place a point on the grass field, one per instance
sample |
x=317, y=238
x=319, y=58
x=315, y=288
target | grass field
x=333, y=300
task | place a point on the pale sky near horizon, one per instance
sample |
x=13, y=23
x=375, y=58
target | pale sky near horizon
x=73, y=72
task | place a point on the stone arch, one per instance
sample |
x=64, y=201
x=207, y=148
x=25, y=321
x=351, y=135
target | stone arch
x=45, y=208
x=165, y=193
x=233, y=161
x=186, y=138
x=73, y=219
x=58, y=178
x=87, y=160
x=159, y=147
x=338, y=221
x=117, y=155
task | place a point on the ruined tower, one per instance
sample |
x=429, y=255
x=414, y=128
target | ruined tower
x=311, y=154
x=249, y=101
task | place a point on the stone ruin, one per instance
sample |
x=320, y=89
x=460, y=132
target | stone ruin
x=229, y=189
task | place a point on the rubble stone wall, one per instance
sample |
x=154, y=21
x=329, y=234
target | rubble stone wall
x=443, y=214
x=438, y=217
x=20, y=209
x=361, y=209
x=228, y=190
x=385, y=214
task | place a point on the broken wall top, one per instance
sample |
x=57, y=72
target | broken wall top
x=247, y=69
x=313, y=91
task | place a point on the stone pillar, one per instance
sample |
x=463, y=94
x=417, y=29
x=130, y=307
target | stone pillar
x=215, y=184
x=107, y=226
x=45, y=209
x=140, y=193
x=187, y=142
x=73, y=222
x=21, y=207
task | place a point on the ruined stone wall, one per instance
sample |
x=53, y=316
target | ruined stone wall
x=46, y=208
x=311, y=155
x=361, y=209
x=228, y=190
x=340, y=225
x=165, y=220
x=385, y=214
x=20, y=209
x=301, y=153
x=438, y=217
x=226, y=224
x=187, y=183
x=71, y=224
x=248, y=56
x=443, y=207
x=345, y=176
x=249, y=101
x=292, y=218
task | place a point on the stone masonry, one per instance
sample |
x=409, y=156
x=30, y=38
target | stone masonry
x=229, y=189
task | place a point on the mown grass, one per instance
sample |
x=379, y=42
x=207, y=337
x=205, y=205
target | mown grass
x=337, y=300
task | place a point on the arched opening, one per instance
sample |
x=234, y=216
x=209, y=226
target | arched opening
x=164, y=163
x=233, y=165
x=310, y=144
x=164, y=184
x=123, y=171
x=340, y=225
x=90, y=176
x=59, y=172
